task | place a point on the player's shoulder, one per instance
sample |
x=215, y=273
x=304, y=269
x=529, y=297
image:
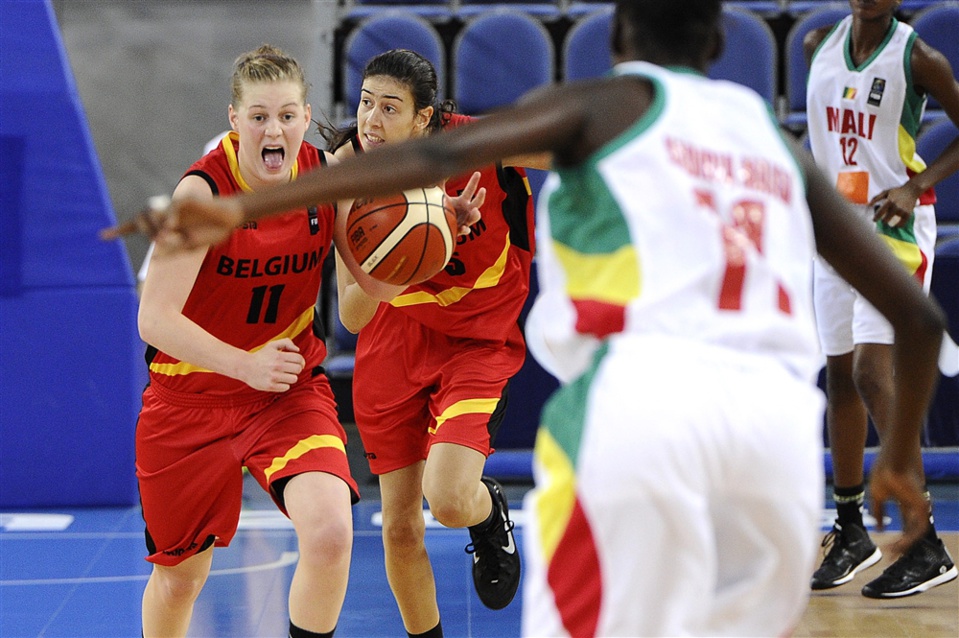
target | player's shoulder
x=310, y=149
x=311, y=156
x=452, y=120
x=344, y=151
x=814, y=38
x=927, y=56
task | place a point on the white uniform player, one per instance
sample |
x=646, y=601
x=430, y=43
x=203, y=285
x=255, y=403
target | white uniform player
x=685, y=288
x=863, y=123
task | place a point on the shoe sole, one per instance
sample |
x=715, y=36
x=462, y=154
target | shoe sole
x=871, y=560
x=918, y=589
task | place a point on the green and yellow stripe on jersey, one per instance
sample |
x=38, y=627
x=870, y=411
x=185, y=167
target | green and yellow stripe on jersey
x=597, y=254
x=564, y=531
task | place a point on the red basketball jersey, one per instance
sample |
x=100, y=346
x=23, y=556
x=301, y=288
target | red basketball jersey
x=258, y=286
x=482, y=290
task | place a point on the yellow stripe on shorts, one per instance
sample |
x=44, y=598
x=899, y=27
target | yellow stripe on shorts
x=315, y=442
x=467, y=406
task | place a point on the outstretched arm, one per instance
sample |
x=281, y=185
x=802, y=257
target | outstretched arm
x=544, y=122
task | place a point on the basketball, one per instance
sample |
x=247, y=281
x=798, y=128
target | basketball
x=402, y=239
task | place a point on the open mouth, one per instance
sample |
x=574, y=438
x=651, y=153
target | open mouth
x=273, y=158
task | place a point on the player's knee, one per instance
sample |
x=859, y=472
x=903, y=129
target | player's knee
x=404, y=534
x=451, y=509
x=873, y=384
x=326, y=542
x=840, y=384
x=178, y=587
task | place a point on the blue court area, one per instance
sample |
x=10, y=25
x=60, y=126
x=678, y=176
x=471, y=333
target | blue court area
x=80, y=573
x=75, y=573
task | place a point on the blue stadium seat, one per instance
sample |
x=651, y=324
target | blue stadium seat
x=796, y=69
x=750, y=56
x=938, y=26
x=542, y=9
x=486, y=74
x=769, y=8
x=433, y=10
x=586, y=46
x=932, y=141
x=394, y=29
x=578, y=8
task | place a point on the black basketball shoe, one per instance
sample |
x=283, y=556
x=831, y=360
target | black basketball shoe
x=925, y=565
x=850, y=550
x=496, y=564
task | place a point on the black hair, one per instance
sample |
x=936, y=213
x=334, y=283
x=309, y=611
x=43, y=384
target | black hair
x=674, y=29
x=413, y=71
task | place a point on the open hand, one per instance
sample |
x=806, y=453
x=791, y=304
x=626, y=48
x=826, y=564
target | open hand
x=467, y=204
x=183, y=223
x=905, y=488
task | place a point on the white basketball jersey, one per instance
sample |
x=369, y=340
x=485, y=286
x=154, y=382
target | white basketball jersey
x=863, y=120
x=693, y=223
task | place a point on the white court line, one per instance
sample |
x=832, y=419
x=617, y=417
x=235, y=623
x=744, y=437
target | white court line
x=286, y=559
x=868, y=520
x=16, y=522
x=517, y=515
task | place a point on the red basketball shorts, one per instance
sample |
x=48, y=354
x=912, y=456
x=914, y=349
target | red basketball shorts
x=190, y=452
x=414, y=386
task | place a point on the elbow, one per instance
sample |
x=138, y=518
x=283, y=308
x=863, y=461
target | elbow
x=353, y=327
x=355, y=321
x=150, y=324
x=147, y=327
x=934, y=318
x=355, y=316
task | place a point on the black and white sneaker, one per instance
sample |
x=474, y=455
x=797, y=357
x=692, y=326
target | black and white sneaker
x=496, y=564
x=925, y=565
x=849, y=550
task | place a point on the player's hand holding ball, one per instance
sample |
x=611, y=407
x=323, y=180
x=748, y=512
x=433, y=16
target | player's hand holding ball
x=407, y=238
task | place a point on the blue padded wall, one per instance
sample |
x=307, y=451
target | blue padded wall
x=71, y=370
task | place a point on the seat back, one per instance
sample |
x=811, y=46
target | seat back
x=938, y=26
x=750, y=56
x=436, y=10
x=586, y=46
x=796, y=70
x=930, y=144
x=542, y=9
x=497, y=57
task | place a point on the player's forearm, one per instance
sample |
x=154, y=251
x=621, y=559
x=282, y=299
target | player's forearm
x=183, y=339
x=382, y=171
x=915, y=357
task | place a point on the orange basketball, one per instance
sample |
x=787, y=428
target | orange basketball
x=402, y=239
